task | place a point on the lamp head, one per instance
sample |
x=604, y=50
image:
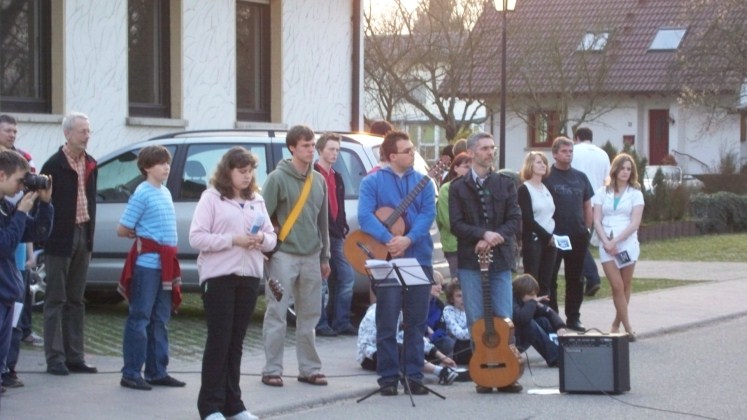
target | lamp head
x=508, y=5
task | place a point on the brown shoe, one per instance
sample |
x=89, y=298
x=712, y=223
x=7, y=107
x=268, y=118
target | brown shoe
x=514, y=388
x=313, y=379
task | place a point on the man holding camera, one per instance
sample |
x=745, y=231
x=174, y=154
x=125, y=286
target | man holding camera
x=68, y=250
x=24, y=261
x=25, y=221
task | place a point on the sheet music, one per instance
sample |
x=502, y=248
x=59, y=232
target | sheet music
x=409, y=268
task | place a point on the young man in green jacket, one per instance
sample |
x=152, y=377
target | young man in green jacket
x=301, y=261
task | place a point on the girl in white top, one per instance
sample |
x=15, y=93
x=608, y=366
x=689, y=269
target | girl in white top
x=618, y=208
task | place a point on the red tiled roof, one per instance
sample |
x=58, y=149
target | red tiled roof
x=543, y=36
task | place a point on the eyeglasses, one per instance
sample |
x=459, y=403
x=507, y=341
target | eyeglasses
x=408, y=151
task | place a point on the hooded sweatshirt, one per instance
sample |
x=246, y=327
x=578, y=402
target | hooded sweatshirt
x=310, y=233
x=214, y=224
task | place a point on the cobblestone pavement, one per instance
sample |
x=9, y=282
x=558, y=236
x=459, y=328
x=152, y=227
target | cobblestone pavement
x=187, y=331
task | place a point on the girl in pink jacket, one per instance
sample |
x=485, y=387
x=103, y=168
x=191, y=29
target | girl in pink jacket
x=231, y=229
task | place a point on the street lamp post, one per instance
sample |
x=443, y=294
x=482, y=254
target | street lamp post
x=503, y=6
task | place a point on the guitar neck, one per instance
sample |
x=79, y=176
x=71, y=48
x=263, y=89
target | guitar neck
x=389, y=222
x=487, y=303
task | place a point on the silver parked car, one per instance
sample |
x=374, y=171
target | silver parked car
x=195, y=156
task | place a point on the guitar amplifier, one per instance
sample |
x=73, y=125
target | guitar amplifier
x=594, y=363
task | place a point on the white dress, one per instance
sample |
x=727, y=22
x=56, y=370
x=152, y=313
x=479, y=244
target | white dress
x=616, y=219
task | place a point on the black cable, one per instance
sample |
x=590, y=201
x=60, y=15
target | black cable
x=570, y=357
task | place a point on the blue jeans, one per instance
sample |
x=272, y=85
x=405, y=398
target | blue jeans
x=415, y=307
x=536, y=334
x=146, y=338
x=6, y=327
x=323, y=321
x=340, y=286
x=501, y=297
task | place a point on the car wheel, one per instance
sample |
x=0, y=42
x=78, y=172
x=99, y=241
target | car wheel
x=38, y=282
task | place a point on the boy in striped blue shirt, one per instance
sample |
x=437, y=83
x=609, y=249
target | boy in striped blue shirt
x=150, y=278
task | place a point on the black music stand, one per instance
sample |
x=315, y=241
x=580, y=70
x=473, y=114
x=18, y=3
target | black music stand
x=403, y=273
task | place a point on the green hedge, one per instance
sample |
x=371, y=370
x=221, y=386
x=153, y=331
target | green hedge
x=721, y=212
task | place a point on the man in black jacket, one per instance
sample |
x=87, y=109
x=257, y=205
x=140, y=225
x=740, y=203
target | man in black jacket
x=485, y=217
x=335, y=317
x=68, y=250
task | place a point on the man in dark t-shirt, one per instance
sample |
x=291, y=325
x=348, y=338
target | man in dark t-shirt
x=572, y=192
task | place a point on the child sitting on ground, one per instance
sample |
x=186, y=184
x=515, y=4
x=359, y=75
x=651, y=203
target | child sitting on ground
x=456, y=323
x=534, y=321
x=367, y=350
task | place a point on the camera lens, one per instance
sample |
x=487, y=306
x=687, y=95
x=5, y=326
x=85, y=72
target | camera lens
x=34, y=182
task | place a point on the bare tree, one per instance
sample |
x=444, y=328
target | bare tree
x=408, y=54
x=552, y=68
x=712, y=68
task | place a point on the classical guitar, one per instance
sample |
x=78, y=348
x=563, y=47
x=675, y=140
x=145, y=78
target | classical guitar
x=360, y=246
x=496, y=362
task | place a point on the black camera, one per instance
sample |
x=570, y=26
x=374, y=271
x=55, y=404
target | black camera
x=34, y=182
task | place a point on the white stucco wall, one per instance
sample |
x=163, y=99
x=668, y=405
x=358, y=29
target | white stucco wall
x=317, y=56
x=209, y=77
x=694, y=132
x=316, y=71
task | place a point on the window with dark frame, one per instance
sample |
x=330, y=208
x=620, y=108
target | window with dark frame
x=544, y=127
x=149, y=58
x=25, y=56
x=252, y=61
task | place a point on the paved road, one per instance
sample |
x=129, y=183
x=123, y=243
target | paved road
x=717, y=365
x=677, y=376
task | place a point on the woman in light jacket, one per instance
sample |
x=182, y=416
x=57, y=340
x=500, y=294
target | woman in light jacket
x=231, y=229
x=618, y=208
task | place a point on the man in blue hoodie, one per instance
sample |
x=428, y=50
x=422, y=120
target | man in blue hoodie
x=24, y=222
x=387, y=188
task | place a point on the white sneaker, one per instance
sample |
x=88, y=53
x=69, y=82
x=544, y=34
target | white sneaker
x=215, y=416
x=244, y=415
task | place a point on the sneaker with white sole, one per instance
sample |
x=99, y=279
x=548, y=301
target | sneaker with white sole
x=447, y=376
x=215, y=416
x=244, y=415
x=33, y=340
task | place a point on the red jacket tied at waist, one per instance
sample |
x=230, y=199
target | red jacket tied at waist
x=170, y=271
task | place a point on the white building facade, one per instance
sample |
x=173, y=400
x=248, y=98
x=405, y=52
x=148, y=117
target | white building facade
x=141, y=68
x=696, y=138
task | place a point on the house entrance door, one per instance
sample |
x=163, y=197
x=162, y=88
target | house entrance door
x=658, y=135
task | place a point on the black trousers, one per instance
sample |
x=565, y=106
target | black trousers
x=574, y=285
x=229, y=303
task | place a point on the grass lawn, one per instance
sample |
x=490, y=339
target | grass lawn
x=712, y=248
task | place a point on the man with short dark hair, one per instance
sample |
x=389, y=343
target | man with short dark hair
x=68, y=250
x=571, y=191
x=387, y=188
x=595, y=164
x=341, y=278
x=25, y=221
x=301, y=261
x=24, y=261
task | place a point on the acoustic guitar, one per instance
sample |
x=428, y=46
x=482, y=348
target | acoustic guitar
x=360, y=246
x=496, y=362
